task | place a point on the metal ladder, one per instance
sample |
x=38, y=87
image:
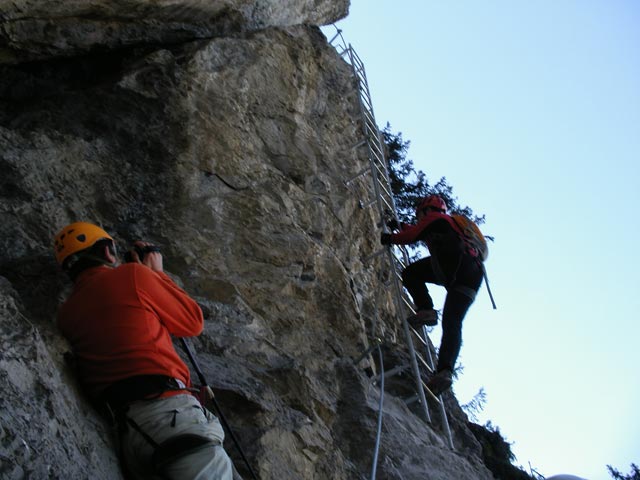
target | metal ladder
x=396, y=259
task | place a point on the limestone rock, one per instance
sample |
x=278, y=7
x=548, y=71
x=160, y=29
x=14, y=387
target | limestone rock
x=231, y=154
x=45, y=425
x=36, y=29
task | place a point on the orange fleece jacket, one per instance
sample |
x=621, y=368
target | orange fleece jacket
x=119, y=322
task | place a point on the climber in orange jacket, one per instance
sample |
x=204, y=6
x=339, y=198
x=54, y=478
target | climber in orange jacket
x=119, y=320
x=451, y=264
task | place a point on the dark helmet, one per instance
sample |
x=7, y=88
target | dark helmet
x=432, y=201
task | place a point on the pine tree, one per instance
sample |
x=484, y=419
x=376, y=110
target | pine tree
x=409, y=185
x=634, y=475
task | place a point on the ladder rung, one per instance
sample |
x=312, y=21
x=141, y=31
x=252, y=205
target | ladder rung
x=376, y=158
x=385, y=203
x=419, y=337
x=408, y=304
x=368, y=116
x=366, y=105
x=416, y=398
x=358, y=66
x=380, y=171
x=380, y=178
x=424, y=362
x=358, y=69
x=370, y=130
x=373, y=129
x=384, y=199
x=377, y=146
x=374, y=151
x=433, y=397
x=400, y=266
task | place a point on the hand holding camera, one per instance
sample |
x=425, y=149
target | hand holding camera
x=146, y=254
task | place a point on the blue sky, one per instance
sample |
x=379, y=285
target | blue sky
x=531, y=110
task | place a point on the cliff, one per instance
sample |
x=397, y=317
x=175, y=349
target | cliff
x=223, y=132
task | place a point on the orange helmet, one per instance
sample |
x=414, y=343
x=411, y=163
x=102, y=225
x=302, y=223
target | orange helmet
x=77, y=237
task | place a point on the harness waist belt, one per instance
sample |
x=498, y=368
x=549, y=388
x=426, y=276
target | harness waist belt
x=119, y=394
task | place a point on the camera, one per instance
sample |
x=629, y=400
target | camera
x=141, y=251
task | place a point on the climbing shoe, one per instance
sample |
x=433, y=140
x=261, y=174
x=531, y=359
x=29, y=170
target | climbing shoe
x=440, y=382
x=423, y=317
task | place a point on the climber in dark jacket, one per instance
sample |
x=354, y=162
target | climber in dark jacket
x=119, y=320
x=451, y=265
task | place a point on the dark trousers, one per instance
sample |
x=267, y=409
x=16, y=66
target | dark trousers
x=462, y=279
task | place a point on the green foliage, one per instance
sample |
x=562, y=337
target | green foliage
x=497, y=454
x=634, y=475
x=475, y=405
x=409, y=185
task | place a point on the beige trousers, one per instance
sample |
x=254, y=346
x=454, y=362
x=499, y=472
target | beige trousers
x=164, y=418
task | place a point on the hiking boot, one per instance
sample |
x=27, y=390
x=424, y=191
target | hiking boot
x=440, y=382
x=423, y=317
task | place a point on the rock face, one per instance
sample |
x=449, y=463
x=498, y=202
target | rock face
x=231, y=153
x=37, y=29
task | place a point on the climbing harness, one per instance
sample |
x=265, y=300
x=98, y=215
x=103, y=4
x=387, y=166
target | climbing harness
x=171, y=449
x=140, y=387
x=119, y=395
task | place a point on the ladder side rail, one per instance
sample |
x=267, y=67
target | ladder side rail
x=356, y=62
x=445, y=421
x=385, y=186
x=399, y=303
x=427, y=349
x=388, y=204
x=426, y=342
x=409, y=342
x=379, y=152
x=378, y=156
x=386, y=198
x=369, y=130
x=368, y=103
x=363, y=85
x=378, y=341
x=364, y=99
x=443, y=412
x=376, y=448
x=385, y=172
